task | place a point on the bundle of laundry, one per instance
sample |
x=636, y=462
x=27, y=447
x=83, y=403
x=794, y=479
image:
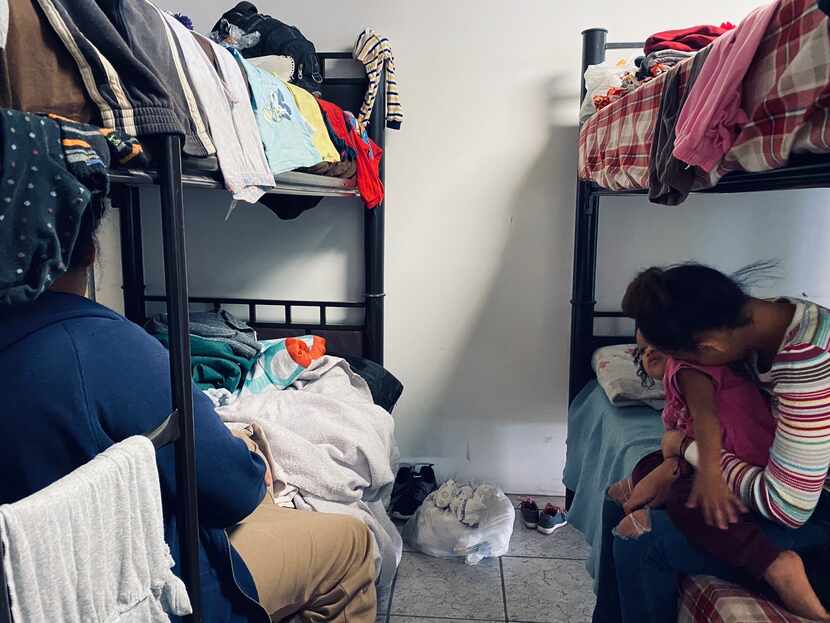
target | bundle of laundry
x=462, y=520
x=222, y=95
x=265, y=35
x=90, y=546
x=140, y=89
x=685, y=39
x=223, y=349
x=330, y=441
x=658, y=62
x=464, y=501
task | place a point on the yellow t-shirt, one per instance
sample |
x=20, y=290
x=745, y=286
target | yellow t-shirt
x=310, y=110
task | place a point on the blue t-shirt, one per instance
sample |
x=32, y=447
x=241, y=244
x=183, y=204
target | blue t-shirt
x=286, y=136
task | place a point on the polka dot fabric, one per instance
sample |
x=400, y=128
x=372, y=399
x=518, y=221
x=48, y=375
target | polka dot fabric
x=41, y=205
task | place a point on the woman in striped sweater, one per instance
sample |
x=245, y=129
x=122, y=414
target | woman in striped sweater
x=697, y=314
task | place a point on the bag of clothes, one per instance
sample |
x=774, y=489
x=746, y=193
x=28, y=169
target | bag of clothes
x=275, y=38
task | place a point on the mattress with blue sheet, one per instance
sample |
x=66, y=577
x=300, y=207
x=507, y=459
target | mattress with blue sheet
x=604, y=444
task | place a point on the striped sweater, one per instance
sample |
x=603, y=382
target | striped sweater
x=375, y=53
x=788, y=488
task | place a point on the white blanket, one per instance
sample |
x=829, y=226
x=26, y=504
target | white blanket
x=334, y=444
x=90, y=546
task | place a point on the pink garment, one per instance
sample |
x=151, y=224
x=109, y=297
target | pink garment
x=711, y=118
x=744, y=412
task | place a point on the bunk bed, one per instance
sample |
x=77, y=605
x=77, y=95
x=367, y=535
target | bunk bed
x=606, y=441
x=364, y=339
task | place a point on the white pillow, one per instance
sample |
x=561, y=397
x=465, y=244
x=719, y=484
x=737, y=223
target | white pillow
x=617, y=375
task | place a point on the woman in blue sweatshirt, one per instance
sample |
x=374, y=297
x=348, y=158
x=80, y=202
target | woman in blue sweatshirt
x=77, y=377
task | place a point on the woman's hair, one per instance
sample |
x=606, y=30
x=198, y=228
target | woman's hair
x=673, y=306
x=87, y=242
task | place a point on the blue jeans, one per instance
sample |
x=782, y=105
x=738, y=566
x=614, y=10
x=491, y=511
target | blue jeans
x=638, y=578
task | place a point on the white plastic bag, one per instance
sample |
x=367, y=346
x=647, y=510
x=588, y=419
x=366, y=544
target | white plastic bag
x=439, y=532
x=599, y=79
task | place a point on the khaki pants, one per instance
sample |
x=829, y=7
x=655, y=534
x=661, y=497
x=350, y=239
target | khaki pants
x=320, y=566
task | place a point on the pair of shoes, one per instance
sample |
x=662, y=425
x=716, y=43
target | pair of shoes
x=413, y=484
x=546, y=521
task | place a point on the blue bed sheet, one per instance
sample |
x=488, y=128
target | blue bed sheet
x=604, y=444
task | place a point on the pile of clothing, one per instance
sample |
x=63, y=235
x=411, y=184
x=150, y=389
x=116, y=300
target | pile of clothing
x=251, y=121
x=328, y=446
x=685, y=39
x=464, y=501
x=223, y=349
x=663, y=50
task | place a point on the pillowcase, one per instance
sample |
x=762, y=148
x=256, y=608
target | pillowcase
x=617, y=375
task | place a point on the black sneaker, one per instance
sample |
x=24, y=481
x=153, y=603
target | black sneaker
x=415, y=487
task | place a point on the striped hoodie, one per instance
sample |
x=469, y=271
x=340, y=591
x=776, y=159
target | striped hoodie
x=788, y=488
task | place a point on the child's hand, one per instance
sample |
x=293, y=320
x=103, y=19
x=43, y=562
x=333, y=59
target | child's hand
x=652, y=490
x=711, y=494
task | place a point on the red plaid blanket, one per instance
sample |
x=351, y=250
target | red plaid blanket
x=786, y=94
x=705, y=599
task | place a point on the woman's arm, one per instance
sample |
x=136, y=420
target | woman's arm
x=787, y=489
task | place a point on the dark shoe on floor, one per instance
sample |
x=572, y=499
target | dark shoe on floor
x=416, y=487
x=530, y=513
x=551, y=519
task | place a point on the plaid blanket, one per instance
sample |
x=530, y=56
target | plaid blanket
x=786, y=94
x=705, y=599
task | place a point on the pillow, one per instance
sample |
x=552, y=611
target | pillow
x=617, y=375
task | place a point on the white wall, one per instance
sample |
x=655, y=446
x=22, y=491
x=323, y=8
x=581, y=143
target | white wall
x=480, y=219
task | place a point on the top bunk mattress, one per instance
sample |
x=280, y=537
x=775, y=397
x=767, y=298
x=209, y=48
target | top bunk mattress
x=785, y=93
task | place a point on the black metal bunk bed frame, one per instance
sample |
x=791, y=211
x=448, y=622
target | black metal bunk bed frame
x=802, y=172
x=178, y=428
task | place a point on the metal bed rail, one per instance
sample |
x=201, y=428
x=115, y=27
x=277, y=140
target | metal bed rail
x=288, y=306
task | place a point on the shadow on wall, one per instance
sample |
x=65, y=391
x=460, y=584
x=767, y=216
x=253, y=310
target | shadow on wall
x=512, y=371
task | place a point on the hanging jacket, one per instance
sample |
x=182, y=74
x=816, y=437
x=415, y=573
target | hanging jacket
x=131, y=68
x=278, y=38
x=375, y=53
x=82, y=378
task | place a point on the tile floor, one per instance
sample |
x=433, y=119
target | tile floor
x=541, y=580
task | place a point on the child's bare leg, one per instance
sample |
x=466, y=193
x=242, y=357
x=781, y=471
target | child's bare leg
x=788, y=578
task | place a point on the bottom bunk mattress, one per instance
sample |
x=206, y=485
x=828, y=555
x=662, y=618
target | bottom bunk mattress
x=604, y=444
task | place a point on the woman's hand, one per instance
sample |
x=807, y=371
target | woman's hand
x=653, y=490
x=672, y=443
x=711, y=494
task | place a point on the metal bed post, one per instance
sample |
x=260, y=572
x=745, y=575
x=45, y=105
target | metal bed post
x=373, y=241
x=175, y=277
x=585, y=244
x=132, y=257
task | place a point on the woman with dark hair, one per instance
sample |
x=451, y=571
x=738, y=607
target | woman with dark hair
x=697, y=314
x=78, y=377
